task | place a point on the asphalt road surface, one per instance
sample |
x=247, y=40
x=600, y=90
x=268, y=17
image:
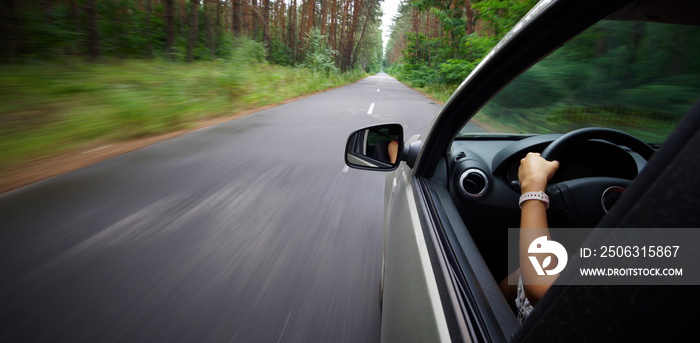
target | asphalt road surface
x=249, y=231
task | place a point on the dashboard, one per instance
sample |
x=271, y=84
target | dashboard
x=483, y=173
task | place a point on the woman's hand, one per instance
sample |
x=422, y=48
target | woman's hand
x=534, y=172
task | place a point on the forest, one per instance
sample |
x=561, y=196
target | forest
x=435, y=44
x=328, y=34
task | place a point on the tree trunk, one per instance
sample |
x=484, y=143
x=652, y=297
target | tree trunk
x=217, y=27
x=266, y=24
x=471, y=28
x=93, y=30
x=183, y=17
x=293, y=29
x=362, y=34
x=209, y=26
x=324, y=16
x=9, y=42
x=282, y=24
x=302, y=25
x=147, y=29
x=415, y=23
x=333, y=29
x=77, y=23
x=169, y=27
x=311, y=14
x=193, y=30
x=349, y=41
x=236, y=19
x=253, y=15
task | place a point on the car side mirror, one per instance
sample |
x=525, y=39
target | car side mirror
x=376, y=147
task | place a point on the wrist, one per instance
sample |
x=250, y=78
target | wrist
x=534, y=196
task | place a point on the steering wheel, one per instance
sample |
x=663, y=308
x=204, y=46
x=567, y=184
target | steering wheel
x=583, y=202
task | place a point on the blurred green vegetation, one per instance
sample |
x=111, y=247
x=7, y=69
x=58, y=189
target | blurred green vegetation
x=48, y=108
x=640, y=78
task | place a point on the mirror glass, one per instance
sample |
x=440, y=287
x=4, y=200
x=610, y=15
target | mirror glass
x=377, y=147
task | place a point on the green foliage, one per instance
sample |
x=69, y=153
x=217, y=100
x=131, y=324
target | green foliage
x=416, y=75
x=51, y=32
x=370, y=55
x=247, y=51
x=420, y=75
x=447, y=59
x=455, y=71
x=280, y=53
x=319, y=57
x=225, y=47
x=477, y=46
x=116, y=29
x=501, y=15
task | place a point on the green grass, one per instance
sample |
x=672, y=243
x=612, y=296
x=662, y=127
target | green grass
x=51, y=108
x=438, y=91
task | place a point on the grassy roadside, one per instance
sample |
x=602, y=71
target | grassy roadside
x=441, y=93
x=52, y=108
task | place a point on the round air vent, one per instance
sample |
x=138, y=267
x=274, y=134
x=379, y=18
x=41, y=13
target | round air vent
x=473, y=183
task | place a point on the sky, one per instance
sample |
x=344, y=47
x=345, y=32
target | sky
x=389, y=7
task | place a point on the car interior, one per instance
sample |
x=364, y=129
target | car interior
x=621, y=89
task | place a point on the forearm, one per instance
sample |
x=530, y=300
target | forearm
x=533, y=224
x=534, y=173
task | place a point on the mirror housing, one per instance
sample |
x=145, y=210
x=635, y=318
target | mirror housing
x=378, y=147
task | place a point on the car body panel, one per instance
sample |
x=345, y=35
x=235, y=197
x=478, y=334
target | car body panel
x=411, y=296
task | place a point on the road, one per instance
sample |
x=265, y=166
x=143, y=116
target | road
x=249, y=231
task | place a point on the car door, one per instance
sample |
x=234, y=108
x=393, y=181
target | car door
x=411, y=293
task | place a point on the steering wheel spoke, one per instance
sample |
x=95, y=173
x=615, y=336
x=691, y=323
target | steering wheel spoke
x=583, y=202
